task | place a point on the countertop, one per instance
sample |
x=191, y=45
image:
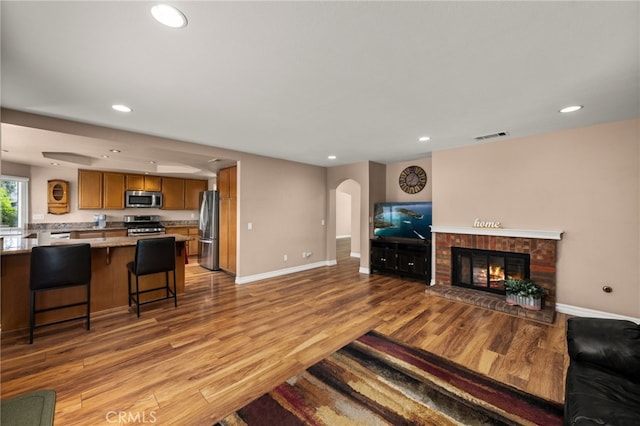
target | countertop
x=18, y=244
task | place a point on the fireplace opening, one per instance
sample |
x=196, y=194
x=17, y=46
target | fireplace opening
x=486, y=270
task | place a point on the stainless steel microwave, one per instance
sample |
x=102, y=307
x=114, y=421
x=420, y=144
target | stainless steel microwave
x=143, y=199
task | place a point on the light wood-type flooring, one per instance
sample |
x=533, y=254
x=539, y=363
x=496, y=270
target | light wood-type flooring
x=227, y=344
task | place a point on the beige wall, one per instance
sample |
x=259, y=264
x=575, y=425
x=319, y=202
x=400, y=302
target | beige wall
x=286, y=204
x=585, y=182
x=395, y=194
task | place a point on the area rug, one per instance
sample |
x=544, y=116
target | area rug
x=377, y=381
x=32, y=409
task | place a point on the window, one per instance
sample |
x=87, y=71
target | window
x=14, y=196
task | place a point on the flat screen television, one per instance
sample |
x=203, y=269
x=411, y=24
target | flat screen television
x=402, y=220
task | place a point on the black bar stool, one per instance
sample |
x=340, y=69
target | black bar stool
x=153, y=255
x=55, y=267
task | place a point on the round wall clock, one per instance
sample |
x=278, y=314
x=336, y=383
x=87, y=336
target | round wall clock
x=413, y=179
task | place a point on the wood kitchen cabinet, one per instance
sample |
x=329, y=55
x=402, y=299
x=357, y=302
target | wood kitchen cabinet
x=172, y=193
x=112, y=190
x=143, y=183
x=100, y=190
x=89, y=189
x=57, y=196
x=192, y=190
x=228, y=188
x=192, y=246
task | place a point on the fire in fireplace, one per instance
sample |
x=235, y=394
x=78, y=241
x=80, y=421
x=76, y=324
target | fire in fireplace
x=487, y=270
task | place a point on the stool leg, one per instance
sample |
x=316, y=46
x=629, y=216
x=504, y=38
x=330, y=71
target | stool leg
x=175, y=290
x=129, y=287
x=32, y=315
x=89, y=306
x=137, y=297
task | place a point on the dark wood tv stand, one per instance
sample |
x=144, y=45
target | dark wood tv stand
x=405, y=257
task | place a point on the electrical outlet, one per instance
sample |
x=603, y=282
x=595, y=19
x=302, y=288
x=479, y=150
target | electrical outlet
x=304, y=254
x=285, y=257
x=38, y=216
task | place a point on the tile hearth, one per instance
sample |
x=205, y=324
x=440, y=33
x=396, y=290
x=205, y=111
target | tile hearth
x=490, y=301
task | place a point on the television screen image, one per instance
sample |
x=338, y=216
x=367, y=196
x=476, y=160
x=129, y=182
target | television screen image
x=403, y=220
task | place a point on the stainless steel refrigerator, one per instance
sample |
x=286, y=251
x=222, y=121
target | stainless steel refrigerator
x=208, y=230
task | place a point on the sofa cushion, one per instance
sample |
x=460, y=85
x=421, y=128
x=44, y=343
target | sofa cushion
x=594, y=396
x=612, y=344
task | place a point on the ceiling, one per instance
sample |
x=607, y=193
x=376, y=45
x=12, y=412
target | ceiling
x=304, y=80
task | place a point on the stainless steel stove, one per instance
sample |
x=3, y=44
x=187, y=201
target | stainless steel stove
x=143, y=225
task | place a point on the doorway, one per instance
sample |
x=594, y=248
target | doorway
x=348, y=196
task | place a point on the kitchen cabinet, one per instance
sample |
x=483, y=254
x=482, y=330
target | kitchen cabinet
x=172, y=193
x=143, y=183
x=192, y=246
x=404, y=257
x=57, y=196
x=192, y=190
x=227, y=187
x=89, y=189
x=194, y=250
x=112, y=190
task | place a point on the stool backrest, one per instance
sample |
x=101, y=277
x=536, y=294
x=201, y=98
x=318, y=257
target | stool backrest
x=60, y=266
x=155, y=255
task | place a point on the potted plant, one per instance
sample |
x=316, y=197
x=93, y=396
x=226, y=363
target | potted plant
x=524, y=293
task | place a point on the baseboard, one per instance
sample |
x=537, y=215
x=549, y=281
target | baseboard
x=585, y=312
x=280, y=272
x=363, y=270
x=354, y=254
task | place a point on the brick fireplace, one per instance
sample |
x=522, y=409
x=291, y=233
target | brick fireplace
x=541, y=246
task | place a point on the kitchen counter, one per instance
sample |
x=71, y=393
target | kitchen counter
x=109, y=258
x=19, y=244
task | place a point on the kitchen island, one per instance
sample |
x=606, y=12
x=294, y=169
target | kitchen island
x=109, y=260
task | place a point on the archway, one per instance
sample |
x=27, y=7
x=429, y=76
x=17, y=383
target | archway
x=347, y=214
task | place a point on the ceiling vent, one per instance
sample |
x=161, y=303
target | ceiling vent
x=491, y=136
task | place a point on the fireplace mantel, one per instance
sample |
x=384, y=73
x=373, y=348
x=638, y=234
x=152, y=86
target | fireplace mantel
x=499, y=232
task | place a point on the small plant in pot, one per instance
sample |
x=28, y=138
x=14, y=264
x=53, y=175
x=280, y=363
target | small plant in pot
x=524, y=293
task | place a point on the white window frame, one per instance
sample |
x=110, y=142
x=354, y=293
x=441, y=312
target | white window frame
x=23, y=203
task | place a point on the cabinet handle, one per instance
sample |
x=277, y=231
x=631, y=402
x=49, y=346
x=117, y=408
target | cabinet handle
x=410, y=263
x=383, y=259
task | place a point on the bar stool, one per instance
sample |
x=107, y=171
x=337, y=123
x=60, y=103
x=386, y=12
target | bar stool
x=55, y=267
x=153, y=256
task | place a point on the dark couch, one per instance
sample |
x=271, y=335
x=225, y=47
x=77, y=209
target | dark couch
x=603, y=380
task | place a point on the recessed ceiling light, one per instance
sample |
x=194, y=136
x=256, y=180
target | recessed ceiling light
x=572, y=108
x=55, y=164
x=105, y=156
x=121, y=108
x=169, y=16
x=424, y=138
x=152, y=162
x=332, y=157
x=115, y=150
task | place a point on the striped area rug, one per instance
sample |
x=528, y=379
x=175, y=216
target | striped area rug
x=376, y=381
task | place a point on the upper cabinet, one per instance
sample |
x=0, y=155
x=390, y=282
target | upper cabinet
x=112, y=191
x=192, y=190
x=143, y=183
x=58, y=197
x=172, y=193
x=105, y=190
x=89, y=189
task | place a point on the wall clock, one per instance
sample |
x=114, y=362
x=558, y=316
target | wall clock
x=413, y=179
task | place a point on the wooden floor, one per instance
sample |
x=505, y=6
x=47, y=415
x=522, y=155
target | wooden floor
x=227, y=344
